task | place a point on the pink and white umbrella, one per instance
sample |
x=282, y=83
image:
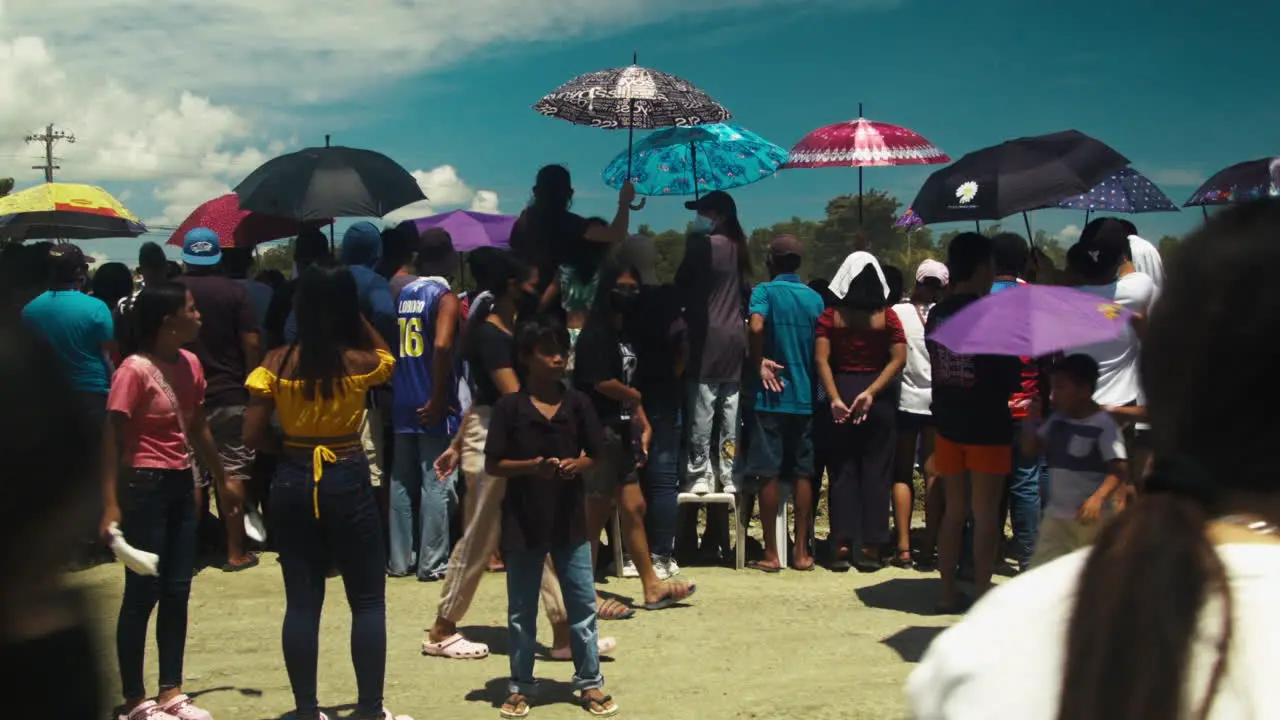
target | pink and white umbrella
x=863, y=143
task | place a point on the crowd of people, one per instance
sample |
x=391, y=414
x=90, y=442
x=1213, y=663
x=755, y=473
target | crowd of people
x=369, y=419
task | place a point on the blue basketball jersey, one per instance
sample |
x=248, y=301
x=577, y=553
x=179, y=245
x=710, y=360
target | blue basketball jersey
x=412, y=384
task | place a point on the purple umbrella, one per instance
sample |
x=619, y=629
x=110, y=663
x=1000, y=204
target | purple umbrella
x=908, y=220
x=470, y=230
x=1032, y=321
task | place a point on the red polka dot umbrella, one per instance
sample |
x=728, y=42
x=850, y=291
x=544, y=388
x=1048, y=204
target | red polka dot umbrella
x=239, y=228
x=863, y=143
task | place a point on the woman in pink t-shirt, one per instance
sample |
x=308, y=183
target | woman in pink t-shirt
x=156, y=411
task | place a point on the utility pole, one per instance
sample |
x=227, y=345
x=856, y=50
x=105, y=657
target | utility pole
x=49, y=138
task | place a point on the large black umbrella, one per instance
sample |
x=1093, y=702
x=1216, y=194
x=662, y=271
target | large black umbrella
x=1016, y=176
x=1241, y=182
x=328, y=182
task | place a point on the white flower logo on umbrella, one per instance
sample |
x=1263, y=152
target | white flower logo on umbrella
x=967, y=192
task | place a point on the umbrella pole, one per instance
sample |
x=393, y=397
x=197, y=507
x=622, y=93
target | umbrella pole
x=1031, y=239
x=977, y=227
x=859, y=178
x=1086, y=216
x=1205, y=212
x=693, y=159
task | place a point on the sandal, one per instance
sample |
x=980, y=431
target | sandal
x=519, y=705
x=604, y=646
x=252, y=563
x=455, y=647
x=672, y=596
x=608, y=708
x=902, y=559
x=613, y=609
x=767, y=569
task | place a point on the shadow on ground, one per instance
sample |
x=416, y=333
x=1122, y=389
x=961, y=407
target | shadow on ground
x=917, y=596
x=550, y=692
x=910, y=643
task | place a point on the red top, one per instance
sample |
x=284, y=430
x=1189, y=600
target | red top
x=860, y=349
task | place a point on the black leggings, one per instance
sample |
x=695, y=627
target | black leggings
x=348, y=531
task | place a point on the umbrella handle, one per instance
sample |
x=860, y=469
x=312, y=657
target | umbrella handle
x=639, y=205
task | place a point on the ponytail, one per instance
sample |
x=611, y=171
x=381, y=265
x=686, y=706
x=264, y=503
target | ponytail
x=1138, y=606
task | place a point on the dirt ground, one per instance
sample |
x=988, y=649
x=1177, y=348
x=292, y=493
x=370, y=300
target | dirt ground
x=813, y=645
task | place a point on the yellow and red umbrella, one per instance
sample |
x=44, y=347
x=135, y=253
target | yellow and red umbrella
x=65, y=211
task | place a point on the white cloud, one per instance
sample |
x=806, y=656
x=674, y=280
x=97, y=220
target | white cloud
x=182, y=196
x=444, y=189
x=1069, y=234
x=192, y=96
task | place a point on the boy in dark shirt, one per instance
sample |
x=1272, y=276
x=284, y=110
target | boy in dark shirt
x=973, y=451
x=541, y=439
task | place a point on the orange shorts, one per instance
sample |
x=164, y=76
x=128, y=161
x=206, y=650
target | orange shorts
x=953, y=458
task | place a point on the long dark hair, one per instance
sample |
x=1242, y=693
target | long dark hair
x=730, y=227
x=536, y=237
x=329, y=324
x=153, y=305
x=1152, y=571
x=602, y=309
x=494, y=271
x=111, y=283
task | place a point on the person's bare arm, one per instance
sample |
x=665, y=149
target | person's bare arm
x=518, y=468
x=550, y=295
x=251, y=344
x=442, y=360
x=897, y=361
x=616, y=232
x=112, y=433
x=618, y=391
x=822, y=359
x=755, y=340
x=206, y=450
x=258, y=434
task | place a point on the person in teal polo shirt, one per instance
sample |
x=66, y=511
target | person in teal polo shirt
x=78, y=327
x=784, y=313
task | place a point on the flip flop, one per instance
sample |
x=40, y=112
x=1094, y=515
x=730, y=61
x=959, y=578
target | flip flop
x=670, y=600
x=515, y=714
x=806, y=568
x=768, y=569
x=626, y=614
x=604, y=646
x=959, y=607
x=586, y=703
x=253, y=563
x=455, y=647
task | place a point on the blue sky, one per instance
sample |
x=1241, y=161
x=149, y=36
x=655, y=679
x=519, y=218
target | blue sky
x=1173, y=86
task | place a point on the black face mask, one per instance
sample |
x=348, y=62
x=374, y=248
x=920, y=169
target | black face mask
x=527, y=304
x=625, y=301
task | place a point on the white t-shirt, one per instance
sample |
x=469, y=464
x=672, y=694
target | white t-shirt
x=917, y=385
x=1005, y=660
x=1118, y=380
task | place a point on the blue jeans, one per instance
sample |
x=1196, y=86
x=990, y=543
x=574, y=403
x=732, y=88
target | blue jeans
x=420, y=501
x=661, y=478
x=157, y=514
x=1026, y=493
x=713, y=431
x=348, y=531
x=577, y=583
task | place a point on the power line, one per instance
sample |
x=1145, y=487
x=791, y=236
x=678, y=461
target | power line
x=49, y=138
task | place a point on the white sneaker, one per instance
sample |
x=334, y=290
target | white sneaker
x=254, y=528
x=665, y=567
x=148, y=710
x=629, y=569
x=700, y=487
x=729, y=487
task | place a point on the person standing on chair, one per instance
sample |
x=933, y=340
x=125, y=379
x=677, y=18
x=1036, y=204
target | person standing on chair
x=425, y=413
x=784, y=315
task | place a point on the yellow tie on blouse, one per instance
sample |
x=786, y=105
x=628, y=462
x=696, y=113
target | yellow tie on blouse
x=319, y=456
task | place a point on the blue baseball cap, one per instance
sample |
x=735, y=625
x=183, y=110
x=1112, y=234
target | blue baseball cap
x=200, y=247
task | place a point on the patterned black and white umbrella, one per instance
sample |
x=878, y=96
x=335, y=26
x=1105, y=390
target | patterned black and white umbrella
x=631, y=98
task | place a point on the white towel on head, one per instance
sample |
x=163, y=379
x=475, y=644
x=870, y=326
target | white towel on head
x=851, y=268
x=1147, y=260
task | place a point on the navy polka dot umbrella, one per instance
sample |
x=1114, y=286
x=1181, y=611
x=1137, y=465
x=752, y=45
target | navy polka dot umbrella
x=1128, y=191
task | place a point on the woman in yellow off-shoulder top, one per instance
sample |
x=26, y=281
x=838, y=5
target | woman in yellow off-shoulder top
x=322, y=504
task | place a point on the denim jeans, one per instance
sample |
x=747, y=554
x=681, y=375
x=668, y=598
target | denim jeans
x=421, y=506
x=157, y=514
x=348, y=531
x=661, y=478
x=713, y=431
x=577, y=582
x=1026, y=493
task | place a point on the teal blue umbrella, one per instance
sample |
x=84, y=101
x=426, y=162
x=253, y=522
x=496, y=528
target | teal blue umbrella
x=720, y=157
